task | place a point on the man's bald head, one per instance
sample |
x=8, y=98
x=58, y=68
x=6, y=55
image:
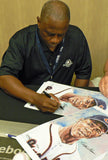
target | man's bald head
x=55, y=9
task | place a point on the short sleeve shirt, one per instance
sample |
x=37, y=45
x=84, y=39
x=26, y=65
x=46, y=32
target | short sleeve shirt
x=23, y=60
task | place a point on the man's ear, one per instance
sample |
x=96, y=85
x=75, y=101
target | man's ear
x=38, y=21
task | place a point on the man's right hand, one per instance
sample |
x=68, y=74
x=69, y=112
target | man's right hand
x=46, y=104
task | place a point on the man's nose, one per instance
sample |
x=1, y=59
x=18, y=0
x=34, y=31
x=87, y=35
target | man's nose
x=56, y=39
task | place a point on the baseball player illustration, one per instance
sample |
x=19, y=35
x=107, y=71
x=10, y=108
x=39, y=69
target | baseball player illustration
x=82, y=102
x=54, y=142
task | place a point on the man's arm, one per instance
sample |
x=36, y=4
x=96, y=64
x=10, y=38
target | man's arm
x=81, y=82
x=103, y=85
x=14, y=86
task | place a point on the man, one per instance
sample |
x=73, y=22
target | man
x=60, y=143
x=51, y=50
x=82, y=102
x=103, y=85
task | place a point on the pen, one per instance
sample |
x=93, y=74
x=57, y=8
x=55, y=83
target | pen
x=11, y=136
x=48, y=95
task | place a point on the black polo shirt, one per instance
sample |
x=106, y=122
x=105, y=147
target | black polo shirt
x=22, y=59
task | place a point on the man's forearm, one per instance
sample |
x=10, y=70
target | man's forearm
x=81, y=82
x=14, y=87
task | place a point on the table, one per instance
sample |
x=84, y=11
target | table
x=12, y=109
x=15, y=119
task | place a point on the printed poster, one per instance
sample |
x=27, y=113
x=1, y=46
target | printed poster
x=80, y=136
x=73, y=99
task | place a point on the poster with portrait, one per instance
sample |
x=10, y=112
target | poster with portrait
x=73, y=99
x=80, y=136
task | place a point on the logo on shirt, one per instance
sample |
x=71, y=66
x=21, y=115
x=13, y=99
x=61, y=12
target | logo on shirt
x=68, y=63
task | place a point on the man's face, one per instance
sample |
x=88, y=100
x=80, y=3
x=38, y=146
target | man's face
x=86, y=128
x=52, y=31
x=78, y=101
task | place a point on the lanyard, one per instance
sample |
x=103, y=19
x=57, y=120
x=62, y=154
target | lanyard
x=44, y=57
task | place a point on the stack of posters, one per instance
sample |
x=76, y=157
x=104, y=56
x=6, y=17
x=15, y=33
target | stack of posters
x=81, y=134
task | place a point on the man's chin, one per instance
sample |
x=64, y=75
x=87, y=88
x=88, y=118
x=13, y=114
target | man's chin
x=52, y=48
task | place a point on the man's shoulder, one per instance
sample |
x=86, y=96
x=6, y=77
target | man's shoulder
x=75, y=34
x=74, y=30
x=31, y=29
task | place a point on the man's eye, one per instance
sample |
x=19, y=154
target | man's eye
x=60, y=35
x=51, y=35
